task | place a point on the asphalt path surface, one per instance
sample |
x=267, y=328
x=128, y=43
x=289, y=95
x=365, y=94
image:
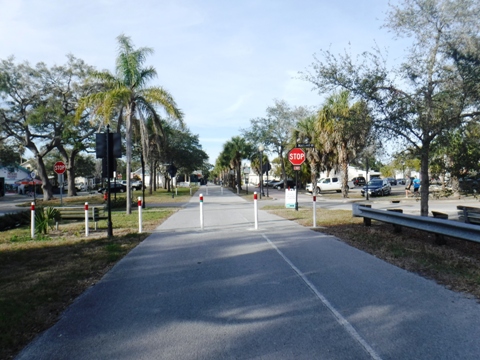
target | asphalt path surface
x=279, y=292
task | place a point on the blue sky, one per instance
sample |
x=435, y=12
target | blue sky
x=223, y=61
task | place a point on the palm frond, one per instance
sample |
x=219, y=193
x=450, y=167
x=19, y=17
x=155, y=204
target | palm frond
x=159, y=96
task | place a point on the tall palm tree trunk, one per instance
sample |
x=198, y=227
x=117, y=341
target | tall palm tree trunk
x=128, y=144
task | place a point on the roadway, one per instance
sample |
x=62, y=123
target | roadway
x=279, y=292
x=331, y=200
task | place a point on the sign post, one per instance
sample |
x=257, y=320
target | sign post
x=59, y=169
x=296, y=156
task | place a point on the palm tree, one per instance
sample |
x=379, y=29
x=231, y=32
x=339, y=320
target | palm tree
x=127, y=95
x=306, y=133
x=345, y=128
x=235, y=150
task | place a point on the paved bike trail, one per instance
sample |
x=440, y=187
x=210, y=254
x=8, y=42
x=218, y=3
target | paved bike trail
x=279, y=292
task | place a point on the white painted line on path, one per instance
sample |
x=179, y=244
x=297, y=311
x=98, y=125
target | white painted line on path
x=340, y=319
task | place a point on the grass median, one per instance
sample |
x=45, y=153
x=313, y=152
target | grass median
x=39, y=278
x=455, y=265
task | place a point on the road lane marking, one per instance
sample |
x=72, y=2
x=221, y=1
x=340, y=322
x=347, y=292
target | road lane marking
x=340, y=319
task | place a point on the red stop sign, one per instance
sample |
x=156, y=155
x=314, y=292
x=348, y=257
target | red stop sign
x=59, y=167
x=296, y=156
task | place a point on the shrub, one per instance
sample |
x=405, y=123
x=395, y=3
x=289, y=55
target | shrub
x=45, y=218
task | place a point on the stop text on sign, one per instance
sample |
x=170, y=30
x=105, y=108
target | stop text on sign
x=59, y=167
x=296, y=156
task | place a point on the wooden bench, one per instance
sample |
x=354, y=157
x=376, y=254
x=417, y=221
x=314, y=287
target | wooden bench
x=76, y=213
x=469, y=214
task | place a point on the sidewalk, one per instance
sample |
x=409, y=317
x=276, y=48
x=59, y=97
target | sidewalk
x=279, y=292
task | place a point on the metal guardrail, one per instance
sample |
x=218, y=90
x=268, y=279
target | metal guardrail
x=450, y=228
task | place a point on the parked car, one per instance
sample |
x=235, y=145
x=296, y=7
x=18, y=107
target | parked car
x=359, y=181
x=279, y=184
x=114, y=188
x=401, y=181
x=80, y=187
x=392, y=181
x=137, y=185
x=327, y=184
x=377, y=187
x=269, y=183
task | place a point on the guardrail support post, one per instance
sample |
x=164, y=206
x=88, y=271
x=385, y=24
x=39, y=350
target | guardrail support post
x=396, y=228
x=367, y=221
x=439, y=238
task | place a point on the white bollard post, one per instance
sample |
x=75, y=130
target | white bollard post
x=176, y=191
x=314, y=211
x=206, y=187
x=32, y=211
x=221, y=189
x=201, y=211
x=255, y=209
x=190, y=191
x=139, y=214
x=86, y=219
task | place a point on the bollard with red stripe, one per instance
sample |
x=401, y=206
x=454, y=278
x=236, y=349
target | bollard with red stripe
x=201, y=211
x=314, y=211
x=255, y=209
x=86, y=219
x=32, y=222
x=139, y=203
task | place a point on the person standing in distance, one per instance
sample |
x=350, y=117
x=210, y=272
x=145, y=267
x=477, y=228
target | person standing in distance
x=408, y=185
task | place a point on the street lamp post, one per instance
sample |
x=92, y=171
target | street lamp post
x=267, y=178
x=260, y=149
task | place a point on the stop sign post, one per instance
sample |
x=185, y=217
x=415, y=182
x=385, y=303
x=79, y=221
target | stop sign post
x=296, y=156
x=60, y=168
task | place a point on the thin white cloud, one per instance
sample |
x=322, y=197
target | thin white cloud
x=224, y=62
x=239, y=103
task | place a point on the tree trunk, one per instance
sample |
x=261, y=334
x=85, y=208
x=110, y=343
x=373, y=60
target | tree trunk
x=424, y=179
x=151, y=181
x=142, y=160
x=239, y=177
x=128, y=155
x=70, y=164
x=46, y=186
x=344, y=165
x=313, y=172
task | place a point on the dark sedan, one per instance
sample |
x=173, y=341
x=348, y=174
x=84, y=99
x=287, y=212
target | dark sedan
x=392, y=181
x=377, y=187
x=279, y=184
x=114, y=188
x=359, y=181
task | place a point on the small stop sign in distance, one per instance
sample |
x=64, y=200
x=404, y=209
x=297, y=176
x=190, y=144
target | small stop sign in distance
x=59, y=167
